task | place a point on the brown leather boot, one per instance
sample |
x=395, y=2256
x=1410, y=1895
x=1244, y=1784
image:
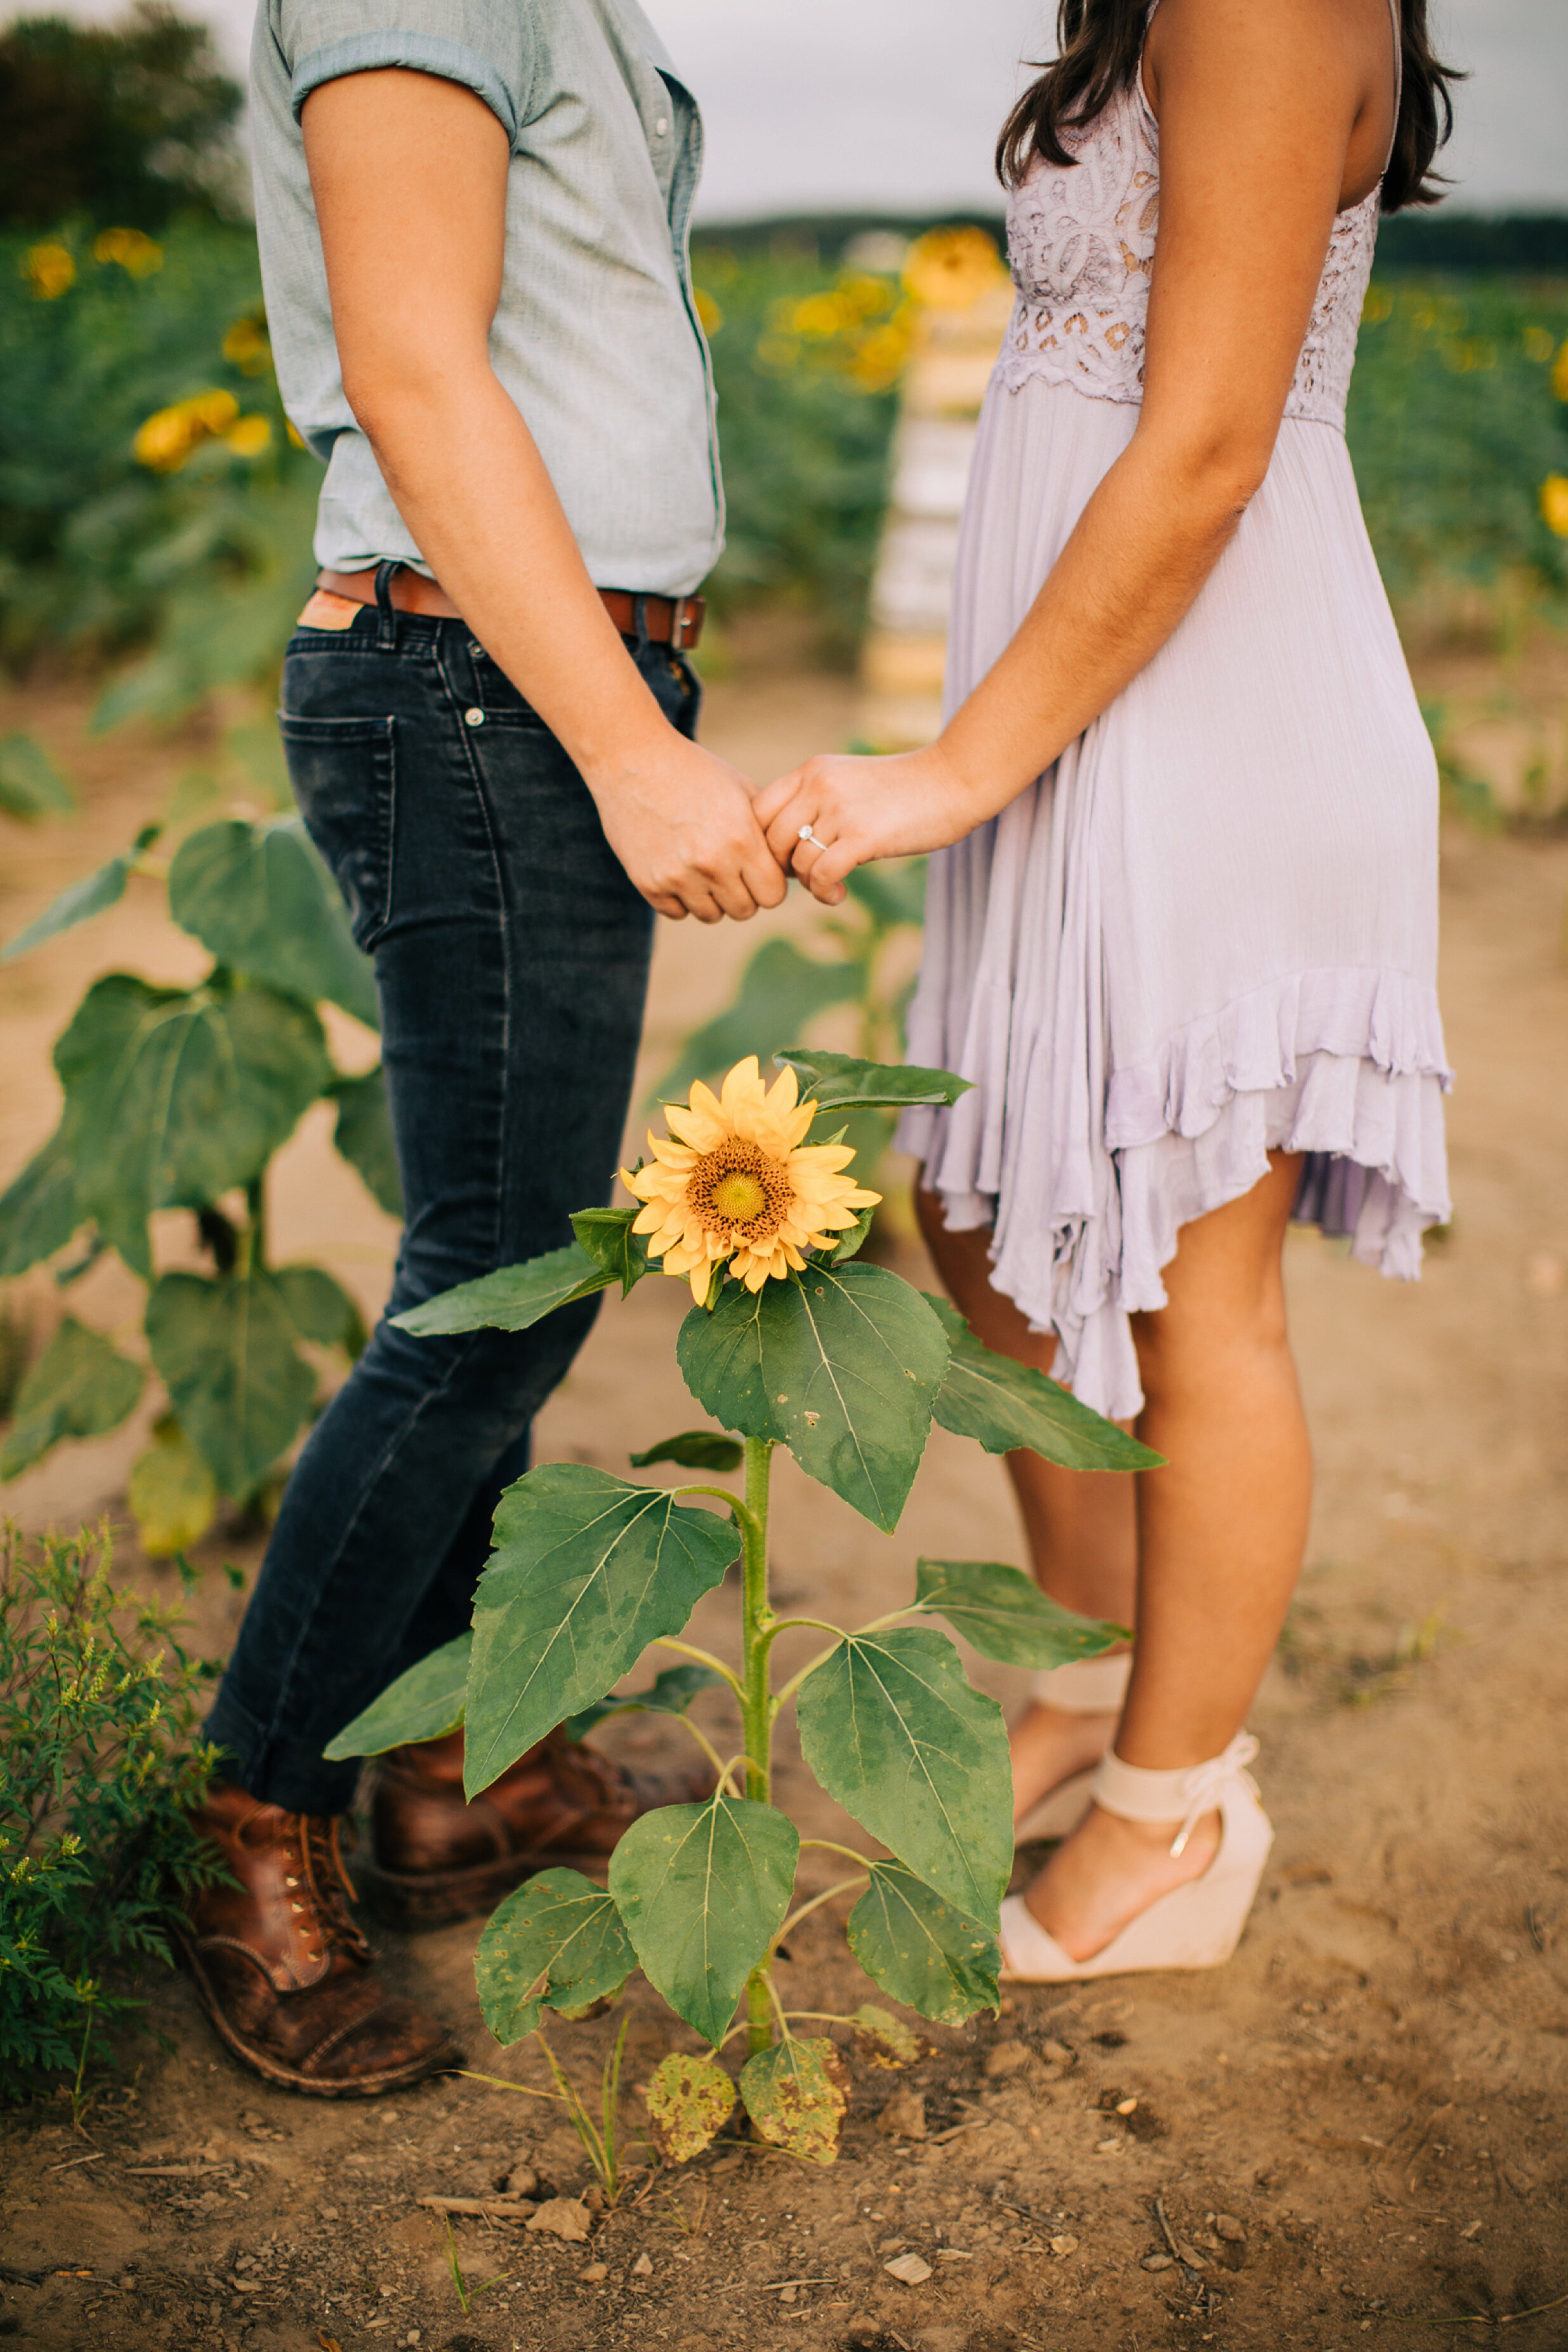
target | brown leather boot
x=282, y=1971
x=561, y=1805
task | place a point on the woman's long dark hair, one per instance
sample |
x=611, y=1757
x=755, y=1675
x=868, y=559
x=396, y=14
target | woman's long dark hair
x=1101, y=42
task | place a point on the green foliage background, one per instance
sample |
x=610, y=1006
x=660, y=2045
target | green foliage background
x=1453, y=426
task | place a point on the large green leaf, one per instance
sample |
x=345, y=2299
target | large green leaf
x=177, y=1095
x=670, y=1693
x=841, y=1364
x=797, y=2093
x=892, y=1727
x=933, y=1958
x=702, y=1890
x=80, y=1386
x=843, y=1082
x=364, y=1137
x=513, y=1299
x=607, y=1235
x=260, y=898
x=1004, y=1405
x=425, y=1703
x=587, y=1571
x=319, y=1308
x=173, y=1494
x=780, y=990
x=893, y=892
x=557, y=1943
x=31, y=784
x=39, y=1212
x=1004, y=1613
x=76, y=903
x=226, y=1352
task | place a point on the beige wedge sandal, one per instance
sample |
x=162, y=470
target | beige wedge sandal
x=1198, y=1926
x=1084, y=1686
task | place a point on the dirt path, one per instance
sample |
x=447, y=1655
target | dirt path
x=1353, y=2131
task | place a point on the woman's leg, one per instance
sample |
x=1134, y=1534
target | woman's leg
x=1221, y=1531
x=1081, y=1527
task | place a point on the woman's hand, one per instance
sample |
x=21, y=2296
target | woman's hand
x=859, y=809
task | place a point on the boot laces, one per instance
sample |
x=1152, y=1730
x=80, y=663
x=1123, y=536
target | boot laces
x=327, y=1880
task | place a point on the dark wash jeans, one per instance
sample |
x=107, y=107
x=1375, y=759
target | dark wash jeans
x=511, y=957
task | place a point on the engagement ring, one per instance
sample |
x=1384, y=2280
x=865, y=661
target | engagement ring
x=807, y=835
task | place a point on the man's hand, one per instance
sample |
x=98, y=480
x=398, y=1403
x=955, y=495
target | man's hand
x=859, y=809
x=681, y=822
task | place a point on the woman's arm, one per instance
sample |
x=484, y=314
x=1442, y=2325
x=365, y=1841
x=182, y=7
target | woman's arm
x=1270, y=118
x=409, y=174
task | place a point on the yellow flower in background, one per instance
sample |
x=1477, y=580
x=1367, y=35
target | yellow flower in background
x=739, y=1185
x=248, y=346
x=1554, y=504
x=708, y=313
x=169, y=437
x=249, y=435
x=50, y=271
x=1538, y=343
x=1559, y=374
x=136, y=252
x=948, y=268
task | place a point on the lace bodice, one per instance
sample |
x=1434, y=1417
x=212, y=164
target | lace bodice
x=1080, y=242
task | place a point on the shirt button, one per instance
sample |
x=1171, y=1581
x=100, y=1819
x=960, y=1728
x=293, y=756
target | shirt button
x=474, y=717
x=662, y=125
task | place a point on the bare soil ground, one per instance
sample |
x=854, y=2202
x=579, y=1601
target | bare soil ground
x=1352, y=2134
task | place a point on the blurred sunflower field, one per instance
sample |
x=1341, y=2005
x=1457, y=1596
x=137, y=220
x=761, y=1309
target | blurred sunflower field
x=155, y=510
x=1458, y=430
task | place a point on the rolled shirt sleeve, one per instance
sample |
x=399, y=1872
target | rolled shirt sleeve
x=486, y=45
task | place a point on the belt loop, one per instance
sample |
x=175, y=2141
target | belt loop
x=386, y=634
x=640, y=622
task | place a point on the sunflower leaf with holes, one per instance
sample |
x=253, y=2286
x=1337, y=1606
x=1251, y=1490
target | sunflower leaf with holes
x=787, y=1347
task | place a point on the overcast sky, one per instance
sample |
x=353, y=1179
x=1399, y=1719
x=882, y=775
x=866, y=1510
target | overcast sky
x=820, y=105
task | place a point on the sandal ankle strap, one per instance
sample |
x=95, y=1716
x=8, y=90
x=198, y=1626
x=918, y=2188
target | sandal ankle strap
x=1183, y=1796
x=1084, y=1685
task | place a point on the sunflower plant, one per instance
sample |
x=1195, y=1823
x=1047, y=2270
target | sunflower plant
x=791, y=1341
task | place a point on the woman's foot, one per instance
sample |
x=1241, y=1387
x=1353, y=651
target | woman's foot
x=1112, y=1869
x=1050, y=1745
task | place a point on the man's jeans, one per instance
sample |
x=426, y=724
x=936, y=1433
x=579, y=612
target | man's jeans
x=511, y=957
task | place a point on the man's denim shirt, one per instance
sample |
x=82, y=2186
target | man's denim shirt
x=596, y=335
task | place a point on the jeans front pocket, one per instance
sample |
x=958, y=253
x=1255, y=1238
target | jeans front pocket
x=343, y=771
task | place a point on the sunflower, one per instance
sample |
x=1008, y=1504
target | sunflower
x=737, y=1183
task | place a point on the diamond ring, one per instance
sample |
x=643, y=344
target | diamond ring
x=806, y=834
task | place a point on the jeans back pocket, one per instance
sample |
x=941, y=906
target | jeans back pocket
x=343, y=771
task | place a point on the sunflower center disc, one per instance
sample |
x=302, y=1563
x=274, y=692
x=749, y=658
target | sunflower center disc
x=739, y=1197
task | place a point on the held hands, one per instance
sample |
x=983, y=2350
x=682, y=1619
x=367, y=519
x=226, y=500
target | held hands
x=680, y=821
x=859, y=809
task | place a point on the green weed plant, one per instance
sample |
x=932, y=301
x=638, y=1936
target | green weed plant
x=100, y=1766
x=847, y=1366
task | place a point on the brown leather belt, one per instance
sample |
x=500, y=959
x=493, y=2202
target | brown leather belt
x=674, y=621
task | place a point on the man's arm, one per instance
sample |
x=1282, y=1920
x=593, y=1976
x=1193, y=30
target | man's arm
x=409, y=175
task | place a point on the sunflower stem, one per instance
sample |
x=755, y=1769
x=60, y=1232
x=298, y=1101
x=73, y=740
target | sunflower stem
x=756, y=1704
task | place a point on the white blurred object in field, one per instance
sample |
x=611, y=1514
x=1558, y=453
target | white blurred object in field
x=905, y=646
